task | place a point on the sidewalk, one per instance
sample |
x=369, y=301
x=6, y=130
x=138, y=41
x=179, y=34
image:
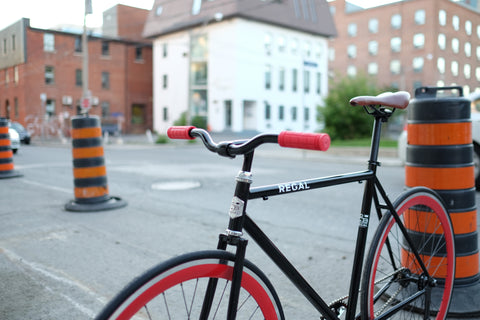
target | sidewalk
x=387, y=156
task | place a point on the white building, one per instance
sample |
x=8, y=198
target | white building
x=241, y=65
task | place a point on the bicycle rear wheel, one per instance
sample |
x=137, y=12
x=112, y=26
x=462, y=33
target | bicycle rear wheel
x=176, y=289
x=394, y=285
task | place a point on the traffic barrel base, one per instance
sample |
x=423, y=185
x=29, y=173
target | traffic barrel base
x=107, y=204
x=90, y=174
x=6, y=155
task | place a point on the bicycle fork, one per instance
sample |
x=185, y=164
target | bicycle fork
x=233, y=237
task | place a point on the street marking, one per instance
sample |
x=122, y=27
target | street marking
x=41, y=270
x=46, y=186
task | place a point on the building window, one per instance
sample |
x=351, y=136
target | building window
x=307, y=49
x=105, y=109
x=467, y=71
x=268, y=43
x=165, y=114
x=164, y=50
x=396, y=21
x=4, y=46
x=294, y=113
x=281, y=79
x=455, y=45
x=373, y=25
x=442, y=17
x=15, y=107
x=478, y=53
x=454, y=68
x=395, y=67
x=78, y=44
x=418, y=40
x=420, y=17
x=306, y=114
x=294, y=46
x=319, y=83
x=478, y=31
x=456, y=22
x=306, y=81
x=417, y=64
x=352, y=51
x=442, y=41
x=268, y=77
x=468, y=27
x=396, y=44
x=158, y=11
x=49, y=75
x=50, y=107
x=105, y=48
x=351, y=71
x=165, y=81
x=197, y=5
x=78, y=77
x=15, y=74
x=318, y=50
x=441, y=65
x=372, y=68
x=281, y=44
x=468, y=49
x=138, y=53
x=373, y=48
x=48, y=42
x=294, y=80
x=352, y=29
x=268, y=111
x=281, y=112
x=477, y=73
x=105, y=80
x=200, y=73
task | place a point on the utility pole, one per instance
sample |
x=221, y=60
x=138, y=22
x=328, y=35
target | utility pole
x=86, y=95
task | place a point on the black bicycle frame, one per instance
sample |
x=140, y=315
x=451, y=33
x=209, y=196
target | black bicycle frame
x=240, y=221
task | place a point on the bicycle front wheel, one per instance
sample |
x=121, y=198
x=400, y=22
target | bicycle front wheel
x=394, y=285
x=176, y=289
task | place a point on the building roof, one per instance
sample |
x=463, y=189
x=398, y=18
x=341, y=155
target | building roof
x=311, y=16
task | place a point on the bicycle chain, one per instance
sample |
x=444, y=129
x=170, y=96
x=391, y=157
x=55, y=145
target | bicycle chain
x=338, y=304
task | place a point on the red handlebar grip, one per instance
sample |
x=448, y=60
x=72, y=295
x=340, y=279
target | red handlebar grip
x=301, y=140
x=180, y=132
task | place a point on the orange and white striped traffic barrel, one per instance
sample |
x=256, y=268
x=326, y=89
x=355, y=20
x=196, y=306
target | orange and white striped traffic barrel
x=7, y=169
x=89, y=170
x=440, y=156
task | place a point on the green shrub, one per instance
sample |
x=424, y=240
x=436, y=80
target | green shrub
x=162, y=139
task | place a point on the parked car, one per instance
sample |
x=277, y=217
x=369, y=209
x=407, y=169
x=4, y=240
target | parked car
x=14, y=139
x=475, y=117
x=23, y=133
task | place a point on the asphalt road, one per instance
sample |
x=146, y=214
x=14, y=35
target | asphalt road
x=56, y=264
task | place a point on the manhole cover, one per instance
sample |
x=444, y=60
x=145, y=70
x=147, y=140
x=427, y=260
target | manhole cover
x=176, y=185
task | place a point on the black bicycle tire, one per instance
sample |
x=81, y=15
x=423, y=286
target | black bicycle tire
x=173, y=263
x=409, y=196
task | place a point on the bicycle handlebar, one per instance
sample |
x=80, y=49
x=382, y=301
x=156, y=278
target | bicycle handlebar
x=288, y=139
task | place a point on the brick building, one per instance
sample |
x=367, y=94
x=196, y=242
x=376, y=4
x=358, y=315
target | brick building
x=41, y=73
x=408, y=44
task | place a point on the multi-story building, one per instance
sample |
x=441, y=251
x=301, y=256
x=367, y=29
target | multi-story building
x=408, y=44
x=41, y=73
x=241, y=65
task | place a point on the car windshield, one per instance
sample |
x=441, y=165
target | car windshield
x=17, y=126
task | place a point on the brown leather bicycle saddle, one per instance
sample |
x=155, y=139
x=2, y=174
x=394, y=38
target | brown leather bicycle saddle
x=398, y=100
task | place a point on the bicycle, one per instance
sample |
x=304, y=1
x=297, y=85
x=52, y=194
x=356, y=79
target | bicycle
x=408, y=271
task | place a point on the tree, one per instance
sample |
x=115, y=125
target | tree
x=343, y=121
